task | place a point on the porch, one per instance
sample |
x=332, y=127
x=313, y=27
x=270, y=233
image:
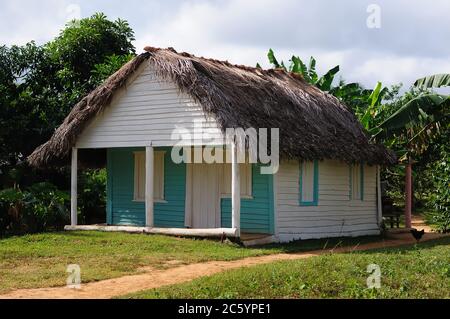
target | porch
x=247, y=239
x=184, y=200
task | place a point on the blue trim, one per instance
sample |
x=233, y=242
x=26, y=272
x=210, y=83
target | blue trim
x=315, y=201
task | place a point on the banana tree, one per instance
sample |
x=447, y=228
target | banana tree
x=351, y=94
x=418, y=118
x=415, y=121
x=308, y=72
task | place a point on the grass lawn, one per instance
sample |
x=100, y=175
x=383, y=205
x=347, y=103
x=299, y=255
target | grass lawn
x=422, y=271
x=41, y=260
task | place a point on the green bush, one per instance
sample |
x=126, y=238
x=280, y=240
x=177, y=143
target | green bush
x=40, y=208
x=92, y=196
x=440, y=194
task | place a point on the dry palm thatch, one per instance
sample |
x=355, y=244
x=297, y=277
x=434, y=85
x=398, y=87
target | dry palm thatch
x=313, y=124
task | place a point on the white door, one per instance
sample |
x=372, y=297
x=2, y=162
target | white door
x=205, y=196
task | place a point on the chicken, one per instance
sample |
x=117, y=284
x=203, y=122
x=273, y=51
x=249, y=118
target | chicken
x=417, y=234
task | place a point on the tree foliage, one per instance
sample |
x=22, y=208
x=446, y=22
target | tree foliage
x=40, y=84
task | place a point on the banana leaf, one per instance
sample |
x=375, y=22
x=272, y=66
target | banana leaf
x=433, y=81
x=435, y=105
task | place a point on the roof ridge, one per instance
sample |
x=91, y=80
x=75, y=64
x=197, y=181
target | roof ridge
x=296, y=76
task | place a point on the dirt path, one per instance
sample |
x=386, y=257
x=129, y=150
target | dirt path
x=418, y=223
x=156, y=278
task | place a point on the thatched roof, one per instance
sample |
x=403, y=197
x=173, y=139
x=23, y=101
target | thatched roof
x=313, y=124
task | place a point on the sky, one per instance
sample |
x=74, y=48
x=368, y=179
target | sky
x=393, y=41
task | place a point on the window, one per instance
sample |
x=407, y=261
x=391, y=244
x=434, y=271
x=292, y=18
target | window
x=245, y=171
x=309, y=183
x=357, y=181
x=139, y=176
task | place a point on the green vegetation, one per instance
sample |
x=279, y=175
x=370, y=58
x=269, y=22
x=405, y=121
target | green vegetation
x=40, y=260
x=40, y=207
x=422, y=271
x=39, y=85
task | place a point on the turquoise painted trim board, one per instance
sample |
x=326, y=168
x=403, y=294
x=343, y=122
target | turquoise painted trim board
x=315, y=201
x=257, y=214
x=123, y=210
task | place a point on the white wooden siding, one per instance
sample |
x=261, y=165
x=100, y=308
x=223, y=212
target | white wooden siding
x=336, y=214
x=147, y=110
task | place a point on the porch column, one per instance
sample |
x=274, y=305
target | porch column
x=149, y=173
x=235, y=191
x=74, y=188
x=408, y=195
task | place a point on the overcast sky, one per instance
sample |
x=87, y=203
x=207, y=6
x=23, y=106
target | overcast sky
x=412, y=40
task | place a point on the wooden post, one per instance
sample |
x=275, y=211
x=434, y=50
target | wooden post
x=74, y=189
x=149, y=192
x=235, y=191
x=408, y=195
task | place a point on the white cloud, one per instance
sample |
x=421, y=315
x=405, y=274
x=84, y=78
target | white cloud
x=411, y=42
x=23, y=21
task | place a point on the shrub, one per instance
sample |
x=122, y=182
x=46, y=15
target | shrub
x=440, y=195
x=92, y=196
x=40, y=208
x=11, y=209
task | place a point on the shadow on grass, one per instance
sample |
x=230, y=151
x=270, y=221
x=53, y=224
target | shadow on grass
x=445, y=241
x=322, y=244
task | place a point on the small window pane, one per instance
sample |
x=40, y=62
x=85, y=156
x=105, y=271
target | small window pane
x=245, y=171
x=307, y=182
x=140, y=175
x=356, y=180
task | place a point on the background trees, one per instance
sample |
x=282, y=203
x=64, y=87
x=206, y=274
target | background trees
x=39, y=84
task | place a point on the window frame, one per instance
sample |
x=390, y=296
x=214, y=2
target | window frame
x=249, y=191
x=136, y=189
x=315, y=201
